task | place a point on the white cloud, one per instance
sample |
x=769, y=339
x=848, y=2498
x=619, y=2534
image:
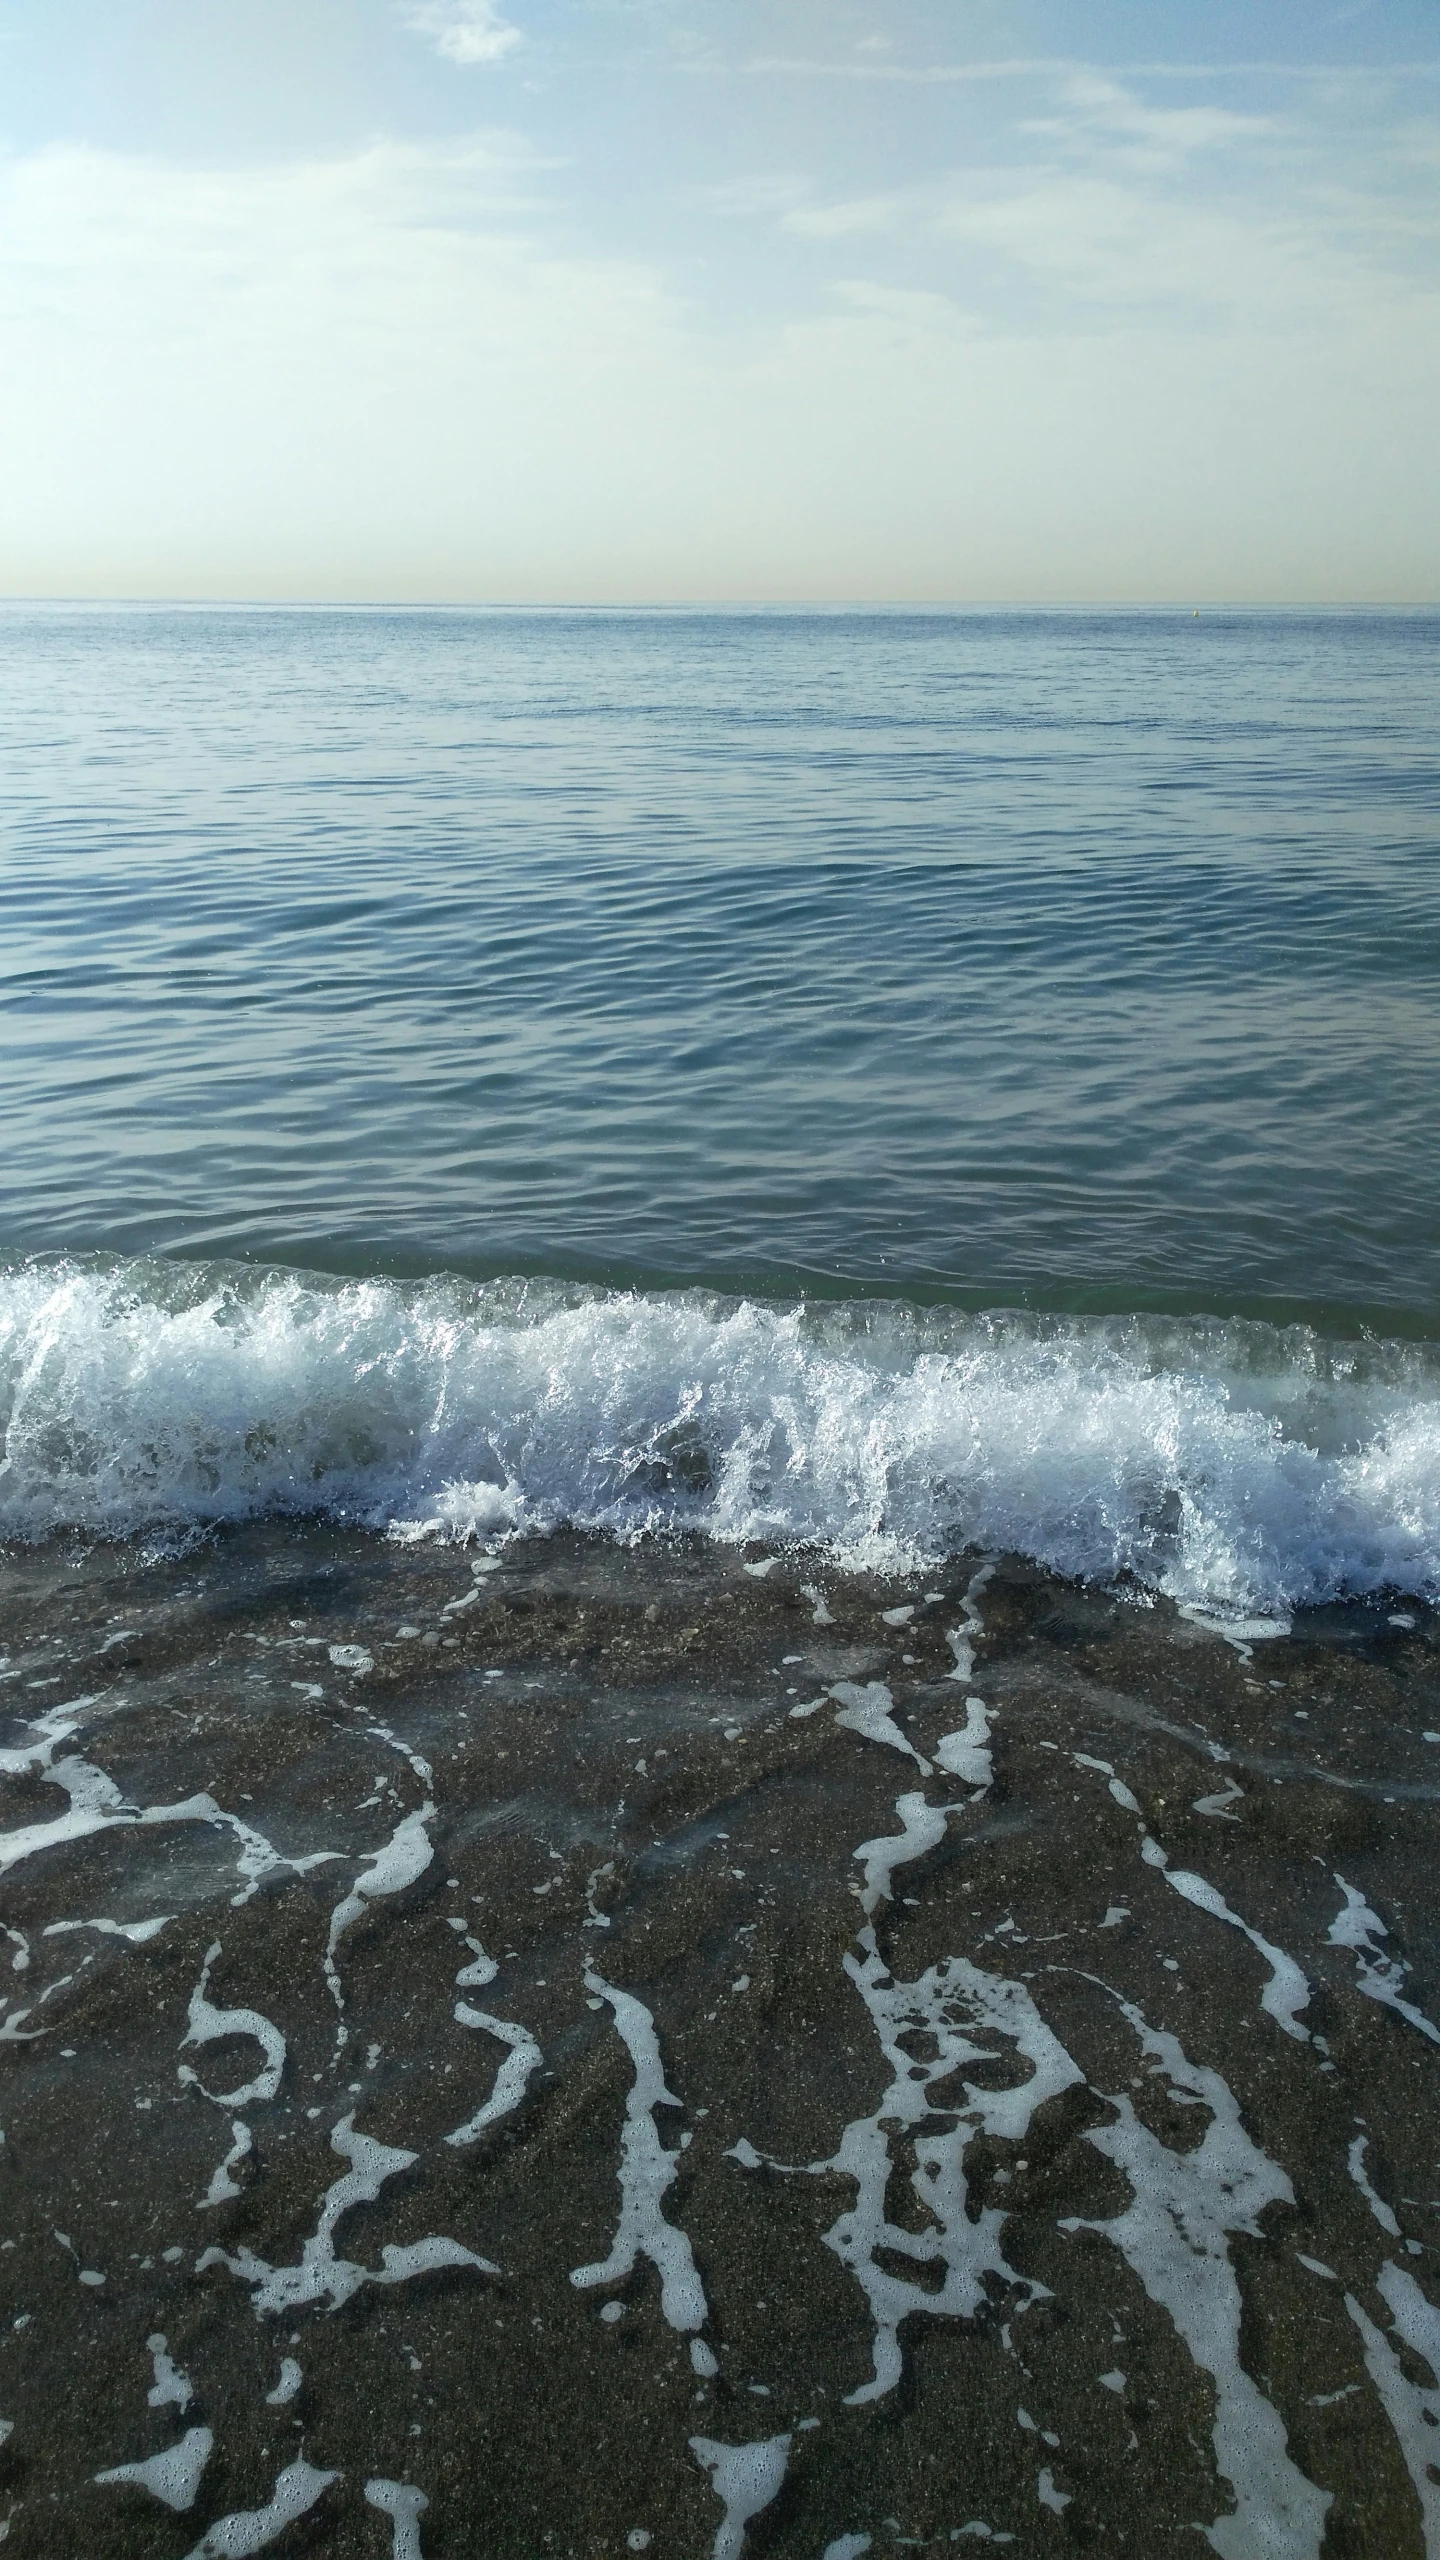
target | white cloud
x=908, y=311
x=1355, y=77
x=1200, y=218
x=464, y=30
x=839, y=221
x=757, y=196
x=376, y=375
x=1098, y=109
x=910, y=74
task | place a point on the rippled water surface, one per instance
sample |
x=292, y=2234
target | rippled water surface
x=483, y=1070
x=1084, y=962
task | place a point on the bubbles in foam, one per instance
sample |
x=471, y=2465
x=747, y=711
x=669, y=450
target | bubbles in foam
x=1227, y=1464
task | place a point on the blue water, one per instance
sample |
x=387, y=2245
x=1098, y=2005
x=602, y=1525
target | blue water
x=1076, y=965
x=1044, y=959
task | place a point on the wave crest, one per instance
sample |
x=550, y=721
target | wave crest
x=1227, y=1464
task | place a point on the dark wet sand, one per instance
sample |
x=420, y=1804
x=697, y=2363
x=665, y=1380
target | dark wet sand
x=640, y=1726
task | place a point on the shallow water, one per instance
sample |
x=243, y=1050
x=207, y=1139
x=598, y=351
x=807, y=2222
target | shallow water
x=603, y=2049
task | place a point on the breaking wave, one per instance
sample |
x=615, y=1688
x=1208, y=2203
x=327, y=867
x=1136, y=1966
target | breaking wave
x=1228, y=1464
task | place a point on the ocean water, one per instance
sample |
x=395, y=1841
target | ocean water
x=480, y=2002
x=885, y=1081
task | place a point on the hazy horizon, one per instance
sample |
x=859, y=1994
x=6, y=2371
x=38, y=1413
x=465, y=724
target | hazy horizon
x=600, y=606
x=631, y=302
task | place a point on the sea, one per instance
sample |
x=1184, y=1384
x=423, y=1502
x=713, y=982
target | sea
x=873, y=1082
x=719, y=1533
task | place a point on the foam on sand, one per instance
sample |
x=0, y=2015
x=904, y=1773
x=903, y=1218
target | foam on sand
x=1175, y=2234
x=973, y=2018
x=405, y=2507
x=965, y=2016
x=209, y=2025
x=97, y=1804
x=1412, y=2408
x=173, y=2477
x=1379, y=1976
x=320, y=2275
x=869, y=1711
x=238, y=2537
x=399, y=1861
x=1287, y=1991
x=647, y=2172
x=746, y=2478
x=521, y=2062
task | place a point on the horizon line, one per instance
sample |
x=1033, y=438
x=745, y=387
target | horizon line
x=378, y=603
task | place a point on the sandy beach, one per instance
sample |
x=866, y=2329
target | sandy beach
x=596, y=2049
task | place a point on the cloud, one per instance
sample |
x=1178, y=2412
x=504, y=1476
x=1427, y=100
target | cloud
x=757, y=196
x=1062, y=247
x=1108, y=207
x=464, y=30
x=1021, y=67
x=1094, y=108
x=839, y=221
x=1016, y=67
x=1109, y=246
x=912, y=313
x=378, y=375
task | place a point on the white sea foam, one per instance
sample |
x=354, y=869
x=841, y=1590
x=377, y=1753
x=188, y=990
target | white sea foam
x=746, y=2478
x=1379, y=1976
x=171, y=2388
x=239, y=2536
x=320, y=2275
x=962, y=1640
x=1287, y=1991
x=1412, y=2409
x=924, y=1829
x=965, y=1754
x=1236, y=1467
x=511, y=2080
x=1355, y=2162
x=209, y=2025
x=970, y=2017
x=405, y=2507
x=223, y=2187
x=96, y=1804
x=1216, y=1808
x=951, y=2005
x=399, y=1862
x=868, y=1712
x=173, y=2477
x=647, y=2172
x=1175, y=2234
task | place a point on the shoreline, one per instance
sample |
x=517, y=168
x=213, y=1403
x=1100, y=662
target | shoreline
x=1228, y=1465
x=963, y=2205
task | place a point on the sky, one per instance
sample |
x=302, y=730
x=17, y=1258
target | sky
x=556, y=301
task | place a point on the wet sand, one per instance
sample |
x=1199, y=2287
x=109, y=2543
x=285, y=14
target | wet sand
x=978, y=2061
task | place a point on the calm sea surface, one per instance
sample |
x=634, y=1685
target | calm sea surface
x=880, y=970
x=1067, y=960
